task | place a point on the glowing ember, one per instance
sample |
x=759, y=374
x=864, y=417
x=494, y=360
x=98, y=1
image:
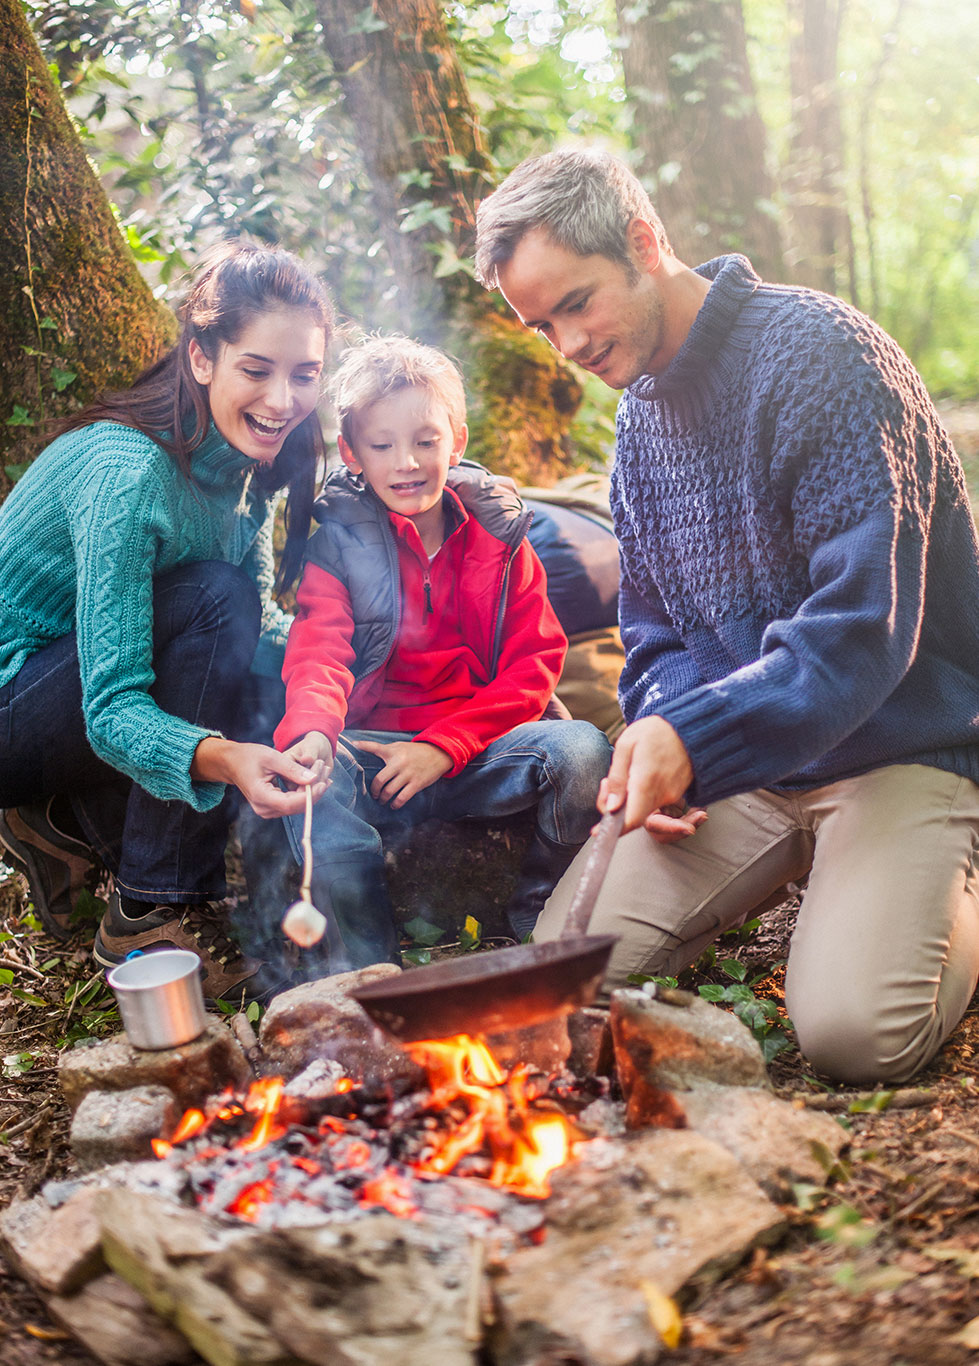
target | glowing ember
x=476, y=1121
x=390, y=1190
x=251, y=1199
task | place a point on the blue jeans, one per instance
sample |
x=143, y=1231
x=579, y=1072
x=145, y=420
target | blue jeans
x=554, y=766
x=206, y=621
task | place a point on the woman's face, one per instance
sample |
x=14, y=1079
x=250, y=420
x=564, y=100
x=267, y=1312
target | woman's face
x=264, y=384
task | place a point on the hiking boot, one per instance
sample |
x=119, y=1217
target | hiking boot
x=226, y=973
x=544, y=864
x=58, y=866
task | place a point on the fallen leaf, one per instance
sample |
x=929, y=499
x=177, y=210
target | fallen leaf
x=47, y=1334
x=966, y=1259
x=969, y=1336
x=663, y=1314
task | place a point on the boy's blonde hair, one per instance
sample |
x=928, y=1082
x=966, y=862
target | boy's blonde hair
x=381, y=366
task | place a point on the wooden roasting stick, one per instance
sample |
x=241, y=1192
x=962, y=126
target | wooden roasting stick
x=302, y=922
x=596, y=866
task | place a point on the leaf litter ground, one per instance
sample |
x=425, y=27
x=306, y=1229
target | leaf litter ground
x=880, y=1266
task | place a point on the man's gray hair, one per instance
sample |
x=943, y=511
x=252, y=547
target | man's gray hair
x=585, y=199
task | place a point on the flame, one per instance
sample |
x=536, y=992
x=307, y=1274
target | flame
x=525, y=1149
x=263, y=1099
x=191, y=1123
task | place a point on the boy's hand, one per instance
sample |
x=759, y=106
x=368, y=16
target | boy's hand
x=314, y=752
x=409, y=767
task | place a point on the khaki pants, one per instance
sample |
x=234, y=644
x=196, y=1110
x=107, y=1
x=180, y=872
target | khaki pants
x=885, y=954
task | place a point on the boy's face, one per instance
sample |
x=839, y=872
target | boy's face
x=404, y=446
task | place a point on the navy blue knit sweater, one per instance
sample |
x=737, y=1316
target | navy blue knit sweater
x=800, y=586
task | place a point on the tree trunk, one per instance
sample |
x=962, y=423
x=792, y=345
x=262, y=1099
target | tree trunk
x=814, y=176
x=78, y=316
x=698, y=130
x=418, y=134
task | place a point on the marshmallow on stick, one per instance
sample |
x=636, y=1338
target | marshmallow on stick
x=302, y=922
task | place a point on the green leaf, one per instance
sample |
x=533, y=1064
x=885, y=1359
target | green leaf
x=423, y=931
x=365, y=21
x=807, y=1196
x=420, y=957
x=48, y=324
x=62, y=378
x=253, y=1012
x=773, y=1044
x=16, y=1064
x=733, y=969
x=425, y=212
x=6, y=977
x=27, y=997
x=20, y=417
x=846, y=1226
x=871, y=1105
x=713, y=991
x=15, y=472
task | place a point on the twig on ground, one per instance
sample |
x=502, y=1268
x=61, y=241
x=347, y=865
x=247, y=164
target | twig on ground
x=918, y=1203
x=908, y=1098
x=28, y=1124
x=17, y=966
x=960, y=1133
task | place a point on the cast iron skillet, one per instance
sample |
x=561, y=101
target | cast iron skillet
x=505, y=988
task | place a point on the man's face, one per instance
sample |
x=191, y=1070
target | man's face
x=590, y=308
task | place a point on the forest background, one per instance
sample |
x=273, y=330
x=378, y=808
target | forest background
x=836, y=142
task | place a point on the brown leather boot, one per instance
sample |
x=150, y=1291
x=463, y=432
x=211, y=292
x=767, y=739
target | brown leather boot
x=58, y=867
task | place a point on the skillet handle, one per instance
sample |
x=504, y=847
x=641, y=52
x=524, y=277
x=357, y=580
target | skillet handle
x=596, y=866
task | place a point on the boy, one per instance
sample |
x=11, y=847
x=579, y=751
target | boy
x=424, y=653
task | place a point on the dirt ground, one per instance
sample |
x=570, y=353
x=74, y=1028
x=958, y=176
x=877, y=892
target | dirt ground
x=880, y=1266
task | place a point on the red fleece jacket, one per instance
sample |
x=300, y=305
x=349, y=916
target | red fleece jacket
x=436, y=681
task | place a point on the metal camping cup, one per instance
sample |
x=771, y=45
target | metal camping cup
x=160, y=998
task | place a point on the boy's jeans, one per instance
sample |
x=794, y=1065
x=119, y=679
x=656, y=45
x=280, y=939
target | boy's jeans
x=553, y=766
x=206, y=619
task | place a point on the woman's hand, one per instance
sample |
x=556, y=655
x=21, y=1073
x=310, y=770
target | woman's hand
x=253, y=770
x=315, y=753
x=409, y=767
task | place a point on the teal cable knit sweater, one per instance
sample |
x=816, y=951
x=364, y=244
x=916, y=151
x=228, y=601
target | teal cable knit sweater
x=98, y=514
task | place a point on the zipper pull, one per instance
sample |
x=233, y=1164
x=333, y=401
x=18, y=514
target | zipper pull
x=428, y=593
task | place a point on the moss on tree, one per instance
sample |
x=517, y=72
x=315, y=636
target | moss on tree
x=72, y=298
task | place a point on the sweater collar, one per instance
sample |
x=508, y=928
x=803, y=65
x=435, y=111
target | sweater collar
x=696, y=364
x=215, y=464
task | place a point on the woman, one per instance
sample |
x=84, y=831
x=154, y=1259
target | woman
x=135, y=590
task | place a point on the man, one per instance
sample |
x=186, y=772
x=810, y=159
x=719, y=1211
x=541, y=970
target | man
x=800, y=613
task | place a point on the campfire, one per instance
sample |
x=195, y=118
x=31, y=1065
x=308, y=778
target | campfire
x=364, y=1201
x=267, y=1157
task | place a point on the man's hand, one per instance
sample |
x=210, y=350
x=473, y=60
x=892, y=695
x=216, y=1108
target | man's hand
x=409, y=767
x=650, y=771
x=253, y=769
